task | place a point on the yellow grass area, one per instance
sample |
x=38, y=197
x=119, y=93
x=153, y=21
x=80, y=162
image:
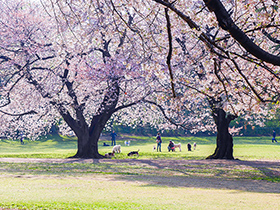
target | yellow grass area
x=116, y=192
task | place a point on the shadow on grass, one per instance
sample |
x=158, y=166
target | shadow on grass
x=266, y=182
x=251, y=176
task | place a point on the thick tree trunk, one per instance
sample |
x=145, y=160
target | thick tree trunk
x=88, y=136
x=224, y=141
x=87, y=148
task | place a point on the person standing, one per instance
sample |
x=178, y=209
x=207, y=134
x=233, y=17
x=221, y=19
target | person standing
x=159, y=141
x=274, y=137
x=113, y=138
x=21, y=139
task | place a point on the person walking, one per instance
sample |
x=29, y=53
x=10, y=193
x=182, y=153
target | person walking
x=113, y=138
x=159, y=141
x=274, y=137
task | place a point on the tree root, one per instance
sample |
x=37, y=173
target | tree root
x=98, y=156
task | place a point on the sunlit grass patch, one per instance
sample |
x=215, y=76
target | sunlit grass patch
x=257, y=148
x=125, y=185
x=102, y=184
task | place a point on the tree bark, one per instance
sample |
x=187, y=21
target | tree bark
x=88, y=136
x=224, y=141
x=88, y=140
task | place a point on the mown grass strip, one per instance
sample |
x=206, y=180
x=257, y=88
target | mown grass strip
x=82, y=169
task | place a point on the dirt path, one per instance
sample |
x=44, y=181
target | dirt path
x=159, y=163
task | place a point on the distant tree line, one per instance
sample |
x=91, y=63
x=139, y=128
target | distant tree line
x=248, y=129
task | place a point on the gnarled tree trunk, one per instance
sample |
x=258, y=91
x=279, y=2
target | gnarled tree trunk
x=88, y=136
x=224, y=141
x=88, y=139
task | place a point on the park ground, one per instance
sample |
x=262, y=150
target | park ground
x=185, y=181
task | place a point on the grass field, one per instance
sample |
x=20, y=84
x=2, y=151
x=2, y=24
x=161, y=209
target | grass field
x=245, y=148
x=147, y=182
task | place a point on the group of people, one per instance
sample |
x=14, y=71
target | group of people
x=171, y=146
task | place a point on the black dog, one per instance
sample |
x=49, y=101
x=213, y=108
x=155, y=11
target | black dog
x=133, y=153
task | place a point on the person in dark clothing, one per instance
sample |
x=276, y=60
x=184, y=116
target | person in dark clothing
x=274, y=137
x=171, y=146
x=21, y=139
x=159, y=141
x=113, y=136
x=189, y=147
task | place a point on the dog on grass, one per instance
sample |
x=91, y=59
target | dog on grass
x=133, y=153
x=127, y=143
x=117, y=149
x=110, y=154
x=177, y=146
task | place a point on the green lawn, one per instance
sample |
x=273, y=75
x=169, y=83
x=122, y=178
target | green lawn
x=99, y=192
x=245, y=148
x=140, y=184
x=51, y=147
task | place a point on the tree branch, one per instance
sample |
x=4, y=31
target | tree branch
x=20, y=114
x=227, y=24
x=165, y=116
x=169, y=56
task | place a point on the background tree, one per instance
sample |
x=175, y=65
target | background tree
x=83, y=69
x=104, y=56
x=236, y=82
x=227, y=85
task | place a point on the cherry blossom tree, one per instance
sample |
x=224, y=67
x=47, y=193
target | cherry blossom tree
x=97, y=58
x=216, y=73
x=82, y=66
x=233, y=70
x=242, y=83
x=24, y=42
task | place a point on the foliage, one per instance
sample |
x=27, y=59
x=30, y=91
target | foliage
x=87, y=61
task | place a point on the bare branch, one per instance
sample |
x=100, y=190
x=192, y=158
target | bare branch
x=165, y=116
x=169, y=56
x=20, y=114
